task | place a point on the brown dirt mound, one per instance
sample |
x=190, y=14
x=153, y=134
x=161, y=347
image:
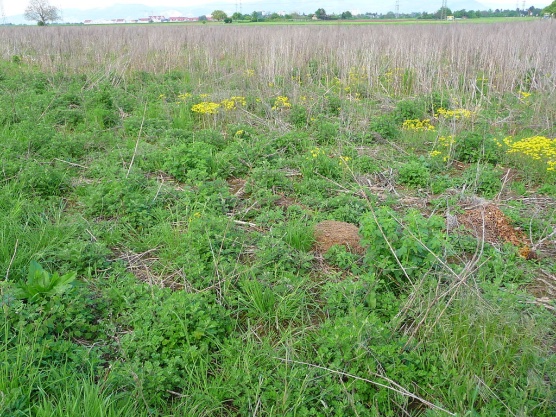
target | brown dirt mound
x=331, y=232
x=489, y=222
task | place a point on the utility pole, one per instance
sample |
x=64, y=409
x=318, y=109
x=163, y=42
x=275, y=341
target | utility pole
x=397, y=9
x=443, y=9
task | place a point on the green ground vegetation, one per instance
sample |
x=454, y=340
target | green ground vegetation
x=157, y=249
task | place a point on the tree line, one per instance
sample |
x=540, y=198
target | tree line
x=42, y=12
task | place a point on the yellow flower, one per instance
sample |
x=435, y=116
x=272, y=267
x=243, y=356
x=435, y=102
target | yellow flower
x=233, y=103
x=344, y=160
x=446, y=141
x=281, y=103
x=250, y=72
x=316, y=152
x=454, y=114
x=205, y=107
x=418, y=125
x=184, y=97
x=194, y=216
x=538, y=148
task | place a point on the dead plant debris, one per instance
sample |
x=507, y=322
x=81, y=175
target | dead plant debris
x=488, y=222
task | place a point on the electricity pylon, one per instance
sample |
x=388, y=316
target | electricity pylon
x=443, y=10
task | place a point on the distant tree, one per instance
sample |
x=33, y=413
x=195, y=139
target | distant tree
x=219, y=15
x=442, y=13
x=228, y=20
x=202, y=18
x=274, y=16
x=42, y=12
x=551, y=8
x=255, y=16
x=426, y=15
x=237, y=16
x=347, y=15
x=321, y=14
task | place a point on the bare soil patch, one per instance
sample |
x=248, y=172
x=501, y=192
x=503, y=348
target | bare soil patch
x=331, y=232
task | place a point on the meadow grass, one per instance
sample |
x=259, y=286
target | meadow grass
x=178, y=171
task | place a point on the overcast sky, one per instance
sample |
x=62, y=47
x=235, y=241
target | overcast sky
x=14, y=7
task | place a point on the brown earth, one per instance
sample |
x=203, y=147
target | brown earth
x=488, y=222
x=331, y=232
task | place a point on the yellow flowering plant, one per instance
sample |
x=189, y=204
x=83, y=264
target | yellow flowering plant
x=241, y=134
x=524, y=95
x=417, y=125
x=455, y=114
x=444, y=150
x=537, y=150
x=233, y=103
x=282, y=103
x=205, y=107
x=320, y=162
x=183, y=97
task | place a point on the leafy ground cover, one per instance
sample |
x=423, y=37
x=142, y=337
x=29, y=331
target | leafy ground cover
x=158, y=254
